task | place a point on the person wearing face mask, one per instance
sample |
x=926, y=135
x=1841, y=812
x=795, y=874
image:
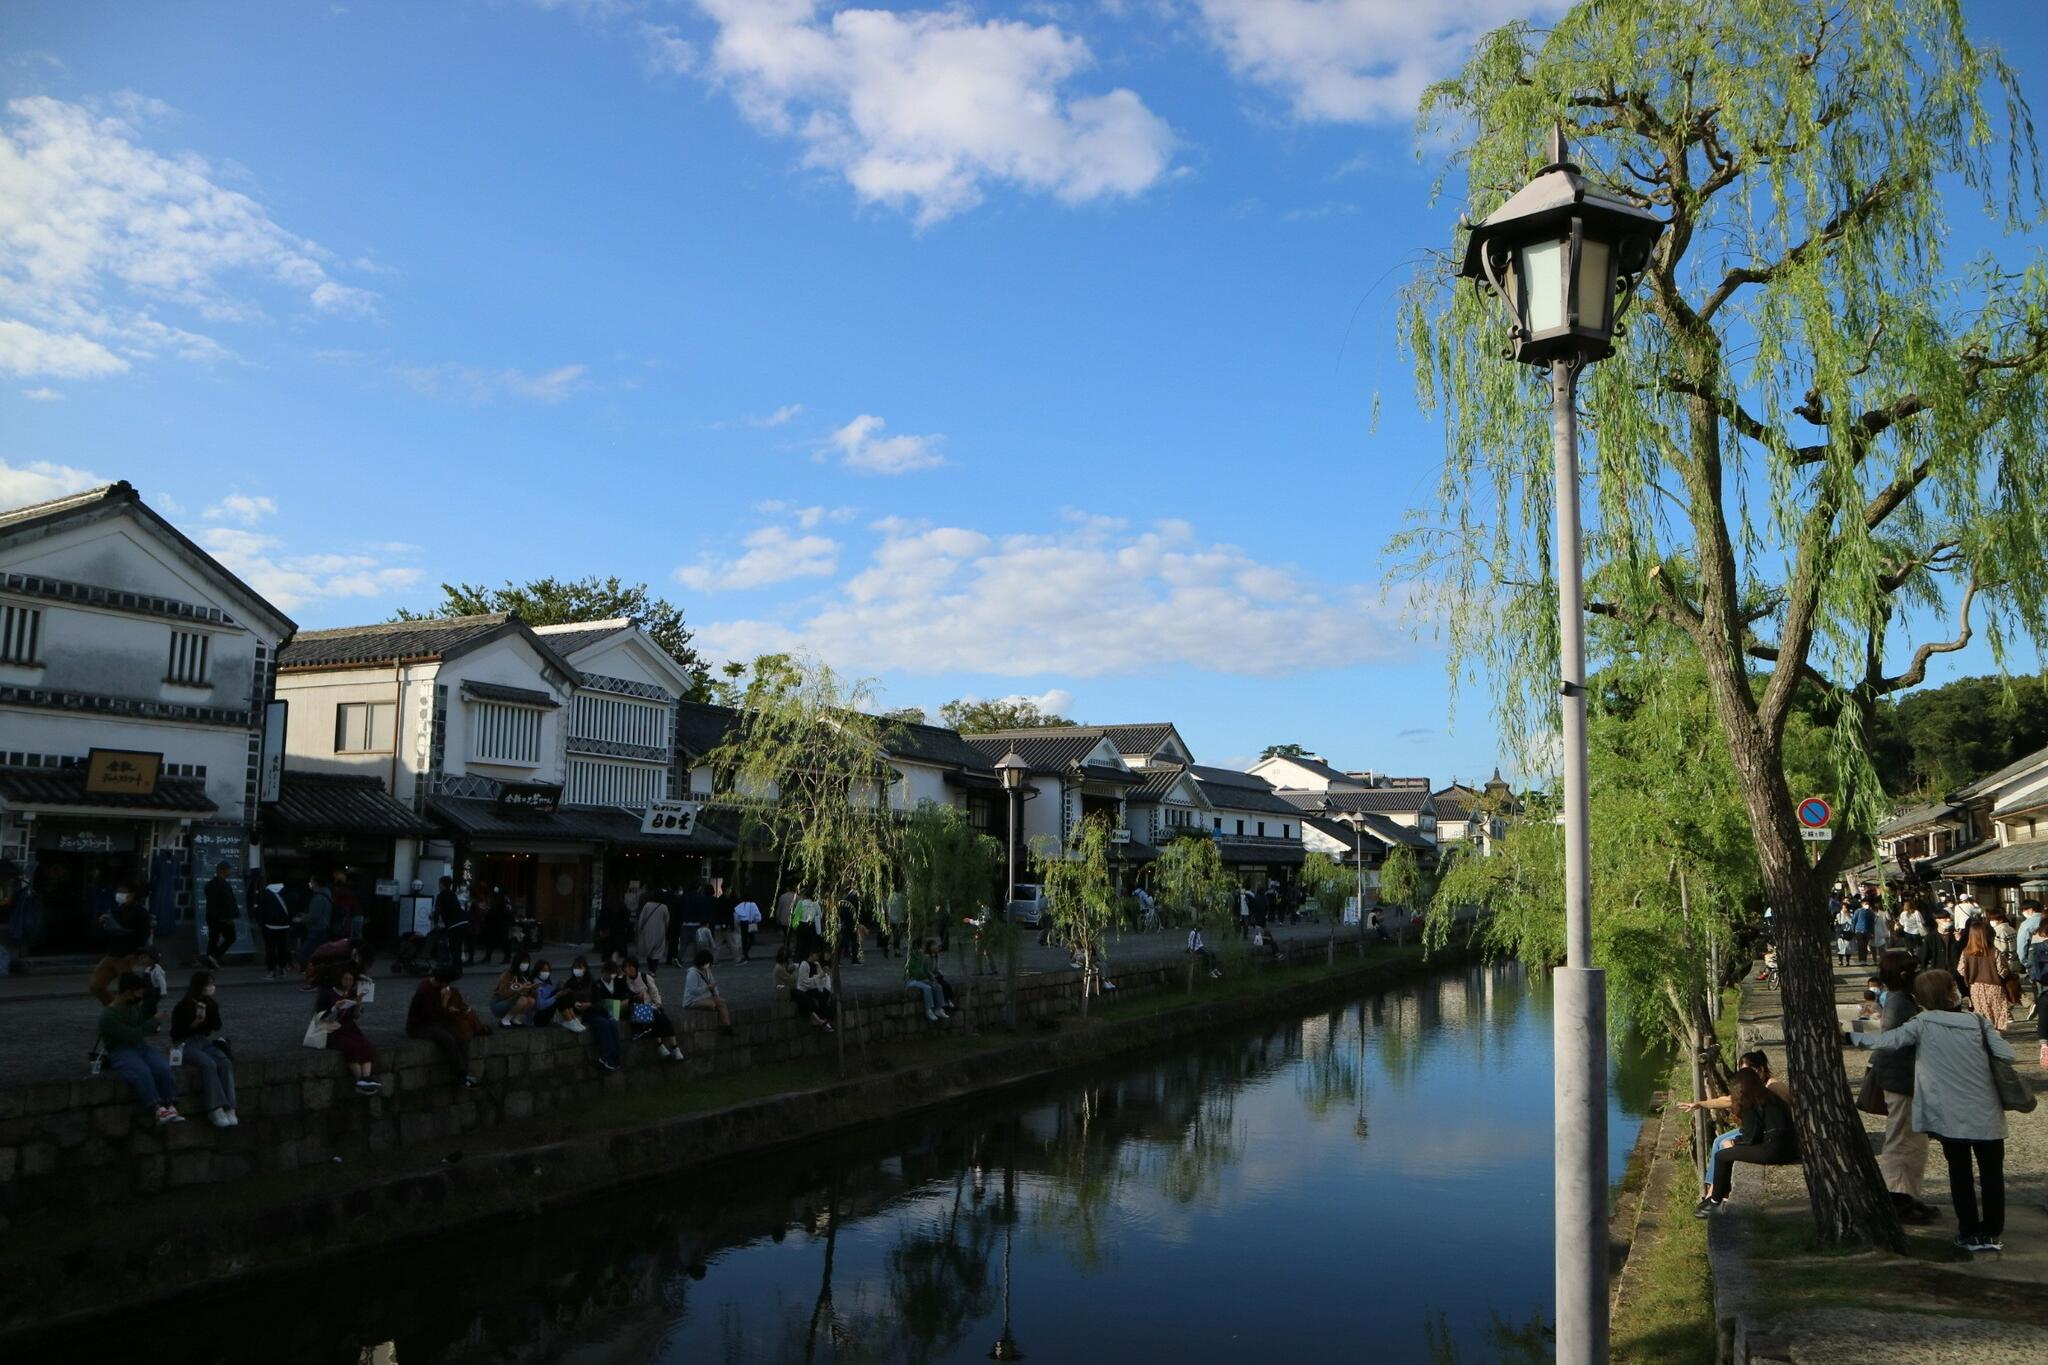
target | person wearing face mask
x=548, y=1005
x=126, y=1025
x=513, y=998
x=196, y=1037
x=581, y=990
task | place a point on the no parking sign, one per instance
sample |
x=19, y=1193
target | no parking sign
x=1814, y=815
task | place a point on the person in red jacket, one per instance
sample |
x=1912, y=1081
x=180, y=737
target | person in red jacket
x=439, y=1015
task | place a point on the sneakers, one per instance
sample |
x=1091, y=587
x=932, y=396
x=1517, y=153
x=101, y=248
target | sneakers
x=663, y=1050
x=219, y=1118
x=1708, y=1207
x=602, y=1065
x=932, y=1016
x=168, y=1114
x=469, y=1082
x=574, y=1025
x=1990, y=1246
x=1216, y=975
x=367, y=1087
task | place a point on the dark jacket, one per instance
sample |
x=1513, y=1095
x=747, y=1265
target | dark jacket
x=194, y=1017
x=271, y=910
x=1771, y=1129
x=220, y=901
x=1894, y=1066
x=448, y=911
x=126, y=1025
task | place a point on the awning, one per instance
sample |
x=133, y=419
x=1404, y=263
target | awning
x=1276, y=854
x=475, y=818
x=517, y=696
x=63, y=789
x=337, y=803
x=1944, y=862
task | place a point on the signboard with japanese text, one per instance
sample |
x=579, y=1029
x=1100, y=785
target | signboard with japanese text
x=270, y=772
x=671, y=817
x=539, y=798
x=122, y=772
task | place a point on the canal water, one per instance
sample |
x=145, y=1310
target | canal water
x=1368, y=1183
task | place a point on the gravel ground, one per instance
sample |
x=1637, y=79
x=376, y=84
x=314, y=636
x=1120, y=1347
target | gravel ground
x=47, y=1020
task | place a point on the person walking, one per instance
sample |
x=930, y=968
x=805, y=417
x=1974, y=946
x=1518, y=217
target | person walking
x=747, y=916
x=451, y=917
x=318, y=923
x=220, y=917
x=1984, y=972
x=1956, y=1103
x=650, y=928
x=197, y=1042
x=1861, y=920
x=1903, y=1159
x=274, y=919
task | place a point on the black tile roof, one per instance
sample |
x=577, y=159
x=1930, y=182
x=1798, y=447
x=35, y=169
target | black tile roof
x=566, y=642
x=1379, y=801
x=1380, y=827
x=391, y=641
x=1913, y=817
x=32, y=787
x=2013, y=769
x=340, y=802
x=1047, y=751
x=938, y=745
x=702, y=726
x=1143, y=738
x=1242, y=791
x=2011, y=861
x=1159, y=780
x=1345, y=835
x=518, y=696
x=477, y=818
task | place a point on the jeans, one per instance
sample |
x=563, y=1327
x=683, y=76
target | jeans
x=604, y=1032
x=147, y=1072
x=747, y=932
x=924, y=988
x=1726, y=1140
x=1990, y=1156
x=216, y=1073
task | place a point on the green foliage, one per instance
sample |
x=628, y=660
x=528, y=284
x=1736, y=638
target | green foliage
x=1935, y=740
x=1283, y=751
x=974, y=716
x=554, y=602
x=1328, y=884
x=1080, y=898
x=949, y=867
x=1402, y=880
x=1191, y=884
x=810, y=769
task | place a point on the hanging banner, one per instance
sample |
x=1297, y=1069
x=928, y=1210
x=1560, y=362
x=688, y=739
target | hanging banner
x=270, y=773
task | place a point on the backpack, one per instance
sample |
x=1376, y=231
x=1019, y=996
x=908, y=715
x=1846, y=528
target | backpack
x=2037, y=960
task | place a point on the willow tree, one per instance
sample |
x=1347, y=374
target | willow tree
x=1325, y=882
x=1080, y=896
x=809, y=768
x=1818, y=447
x=1403, y=882
x=1193, y=887
x=949, y=865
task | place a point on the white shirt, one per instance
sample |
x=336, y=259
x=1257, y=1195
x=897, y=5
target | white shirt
x=746, y=912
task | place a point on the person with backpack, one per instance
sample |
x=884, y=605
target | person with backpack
x=2037, y=972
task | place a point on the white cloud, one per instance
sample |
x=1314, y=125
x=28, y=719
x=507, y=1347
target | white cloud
x=42, y=395
x=1054, y=701
x=291, y=581
x=99, y=232
x=782, y=416
x=923, y=110
x=861, y=446
x=40, y=480
x=665, y=52
x=805, y=517
x=27, y=350
x=1353, y=61
x=241, y=507
x=479, y=385
x=772, y=555
x=1095, y=598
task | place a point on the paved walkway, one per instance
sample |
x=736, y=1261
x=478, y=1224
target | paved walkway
x=47, y=1020
x=2005, y=1299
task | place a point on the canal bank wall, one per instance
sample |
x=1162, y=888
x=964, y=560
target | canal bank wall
x=329, y=1177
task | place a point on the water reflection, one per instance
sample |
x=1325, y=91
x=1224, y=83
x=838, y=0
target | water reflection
x=1369, y=1182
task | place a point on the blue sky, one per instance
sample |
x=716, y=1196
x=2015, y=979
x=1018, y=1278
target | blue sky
x=992, y=349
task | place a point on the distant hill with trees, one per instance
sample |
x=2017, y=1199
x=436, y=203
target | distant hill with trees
x=1933, y=741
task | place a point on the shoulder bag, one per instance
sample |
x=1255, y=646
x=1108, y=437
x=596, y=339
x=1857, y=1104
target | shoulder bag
x=317, y=1030
x=2014, y=1094
x=1870, y=1098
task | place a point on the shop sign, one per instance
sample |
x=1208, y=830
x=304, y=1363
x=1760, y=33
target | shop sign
x=539, y=798
x=59, y=838
x=671, y=817
x=1119, y=836
x=122, y=772
x=270, y=773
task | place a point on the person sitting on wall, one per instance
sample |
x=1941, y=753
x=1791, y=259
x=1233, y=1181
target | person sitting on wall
x=581, y=991
x=197, y=1042
x=548, y=1005
x=923, y=977
x=439, y=1015
x=700, y=992
x=814, y=988
x=1200, y=949
x=1768, y=1137
x=513, y=998
x=643, y=997
x=125, y=1026
x=338, y=1019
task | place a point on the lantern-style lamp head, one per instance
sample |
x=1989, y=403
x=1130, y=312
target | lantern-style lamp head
x=1013, y=770
x=1563, y=258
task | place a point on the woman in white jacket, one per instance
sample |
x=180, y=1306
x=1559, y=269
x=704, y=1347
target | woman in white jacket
x=1955, y=1102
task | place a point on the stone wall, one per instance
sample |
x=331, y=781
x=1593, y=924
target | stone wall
x=87, y=1143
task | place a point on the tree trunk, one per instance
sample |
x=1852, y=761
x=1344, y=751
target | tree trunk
x=1843, y=1185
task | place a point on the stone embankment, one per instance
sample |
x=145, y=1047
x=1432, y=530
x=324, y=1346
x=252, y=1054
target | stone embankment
x=316, y=1173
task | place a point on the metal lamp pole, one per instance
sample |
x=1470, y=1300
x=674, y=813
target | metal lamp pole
x=1012, y=769
x=1563, y=257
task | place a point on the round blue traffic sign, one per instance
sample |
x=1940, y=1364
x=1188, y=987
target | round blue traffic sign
x=1814, y=813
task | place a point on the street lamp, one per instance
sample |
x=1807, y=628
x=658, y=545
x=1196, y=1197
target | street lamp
x=1563, y=259
x=1013, y=770
x=1357, y=823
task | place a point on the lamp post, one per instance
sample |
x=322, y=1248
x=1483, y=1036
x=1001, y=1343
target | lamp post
x=1563, y=259
x=1012, y=769
x=1357, y=823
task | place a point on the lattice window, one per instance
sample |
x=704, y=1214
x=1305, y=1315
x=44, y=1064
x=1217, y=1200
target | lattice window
x=189, y=654
x=503, y=733
x=594, y=782
x=620, y=720
x=21, y=634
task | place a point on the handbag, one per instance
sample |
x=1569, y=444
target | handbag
x=2011, y=986
x=1870, y=1098
x=643, y=1013
x=2014, y=1095
x=317, y=1030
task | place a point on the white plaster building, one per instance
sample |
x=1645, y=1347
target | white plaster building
x=120, y=635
